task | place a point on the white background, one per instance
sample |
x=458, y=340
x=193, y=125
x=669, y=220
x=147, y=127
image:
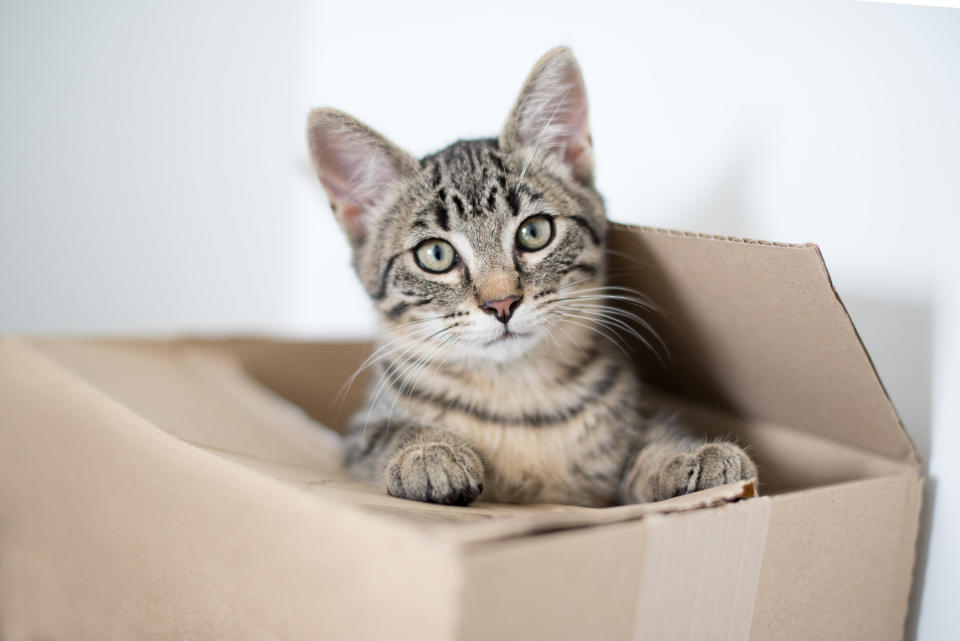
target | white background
x=153, y=173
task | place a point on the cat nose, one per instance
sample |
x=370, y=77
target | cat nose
x=502, y=308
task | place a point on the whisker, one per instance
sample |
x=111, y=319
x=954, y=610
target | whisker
x=551, y=324
x=413, y=378
x=388, y=374
x=615, y=339
x=378, y=354
x=614, y=316
x=573, y=283
x=413, y=374
x=616, y=289
x=618, y=311
x=626, y=299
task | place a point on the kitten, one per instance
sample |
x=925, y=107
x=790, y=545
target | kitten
x=486, y=263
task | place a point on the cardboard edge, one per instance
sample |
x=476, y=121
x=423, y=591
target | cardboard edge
x=913, y=525
x=911, y=458
x=742, y=240
x=541, y=524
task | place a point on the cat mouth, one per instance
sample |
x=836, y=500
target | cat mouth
x=506, y=336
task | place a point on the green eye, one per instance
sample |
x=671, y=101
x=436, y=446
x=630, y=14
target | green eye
x=435, y=256
x=535, y=233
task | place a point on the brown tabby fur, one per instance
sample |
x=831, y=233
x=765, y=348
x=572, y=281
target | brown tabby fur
x=543, y=407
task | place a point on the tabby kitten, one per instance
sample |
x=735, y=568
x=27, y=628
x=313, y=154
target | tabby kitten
x=486, y=262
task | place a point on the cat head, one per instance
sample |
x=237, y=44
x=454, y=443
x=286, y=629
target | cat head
x=472, y=252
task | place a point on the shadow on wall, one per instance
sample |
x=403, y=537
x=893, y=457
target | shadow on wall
x=899, y=338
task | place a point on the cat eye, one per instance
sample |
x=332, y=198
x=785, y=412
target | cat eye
x=435, y=256
x=535, y=233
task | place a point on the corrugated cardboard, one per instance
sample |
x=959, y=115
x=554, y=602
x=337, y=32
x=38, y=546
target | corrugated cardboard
x=186, y=489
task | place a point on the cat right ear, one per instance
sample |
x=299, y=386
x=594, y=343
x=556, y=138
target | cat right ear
x=358, y=168
x=550, y=116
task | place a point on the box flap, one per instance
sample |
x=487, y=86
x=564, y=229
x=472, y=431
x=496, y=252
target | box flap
x=757, y=329
x=112, y=529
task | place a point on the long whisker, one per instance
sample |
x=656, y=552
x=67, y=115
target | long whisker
x=615, y=324
x=588, y=302
x=612, y=323
x=413, y=377
x=639, y=302
x=551, y=325
x=616, y=316
x=596, y=296
x=415, y=369
x=553, y=339
x=573, y=283
x=592, y=326
x=612, y=290
x=388, y=375
x=381, y=352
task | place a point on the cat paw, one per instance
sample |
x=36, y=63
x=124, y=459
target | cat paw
x=436, y=472
x=708, y=466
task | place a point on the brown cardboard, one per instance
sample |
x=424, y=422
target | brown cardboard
x=757, y=329
x=161, y=489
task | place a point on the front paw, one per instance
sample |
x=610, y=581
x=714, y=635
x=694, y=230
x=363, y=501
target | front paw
x=436, y=472
x=708, y=466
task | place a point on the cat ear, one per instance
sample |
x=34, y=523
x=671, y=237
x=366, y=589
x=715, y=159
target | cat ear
x=550, y=116
x=358, y=168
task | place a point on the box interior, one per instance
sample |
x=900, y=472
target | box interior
x=761, y=351
x=789, y=460
x=311, y=376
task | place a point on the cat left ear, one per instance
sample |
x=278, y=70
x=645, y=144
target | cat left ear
x=550, y=116
x=358, y=168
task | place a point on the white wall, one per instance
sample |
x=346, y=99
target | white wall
x=153, y=176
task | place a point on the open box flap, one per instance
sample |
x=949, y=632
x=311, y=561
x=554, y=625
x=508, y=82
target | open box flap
x=203, y=395
x=757, y=329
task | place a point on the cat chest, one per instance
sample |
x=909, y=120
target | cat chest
x=539, y=442
x=521, y=458
x=531, y=464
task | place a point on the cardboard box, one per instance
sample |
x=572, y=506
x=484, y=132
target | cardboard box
x=164, y=490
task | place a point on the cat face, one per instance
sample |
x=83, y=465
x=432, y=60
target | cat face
x=471, y=253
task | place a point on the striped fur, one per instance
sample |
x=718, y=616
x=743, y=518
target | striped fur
x=544, y=407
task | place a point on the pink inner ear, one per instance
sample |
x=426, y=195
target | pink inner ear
x=580, y=158
x=551, y=116
x=352, y=218
x=356, y=171
x=349, y=212
x=579, y=154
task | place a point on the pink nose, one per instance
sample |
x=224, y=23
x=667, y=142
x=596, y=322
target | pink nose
x=503, y=309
